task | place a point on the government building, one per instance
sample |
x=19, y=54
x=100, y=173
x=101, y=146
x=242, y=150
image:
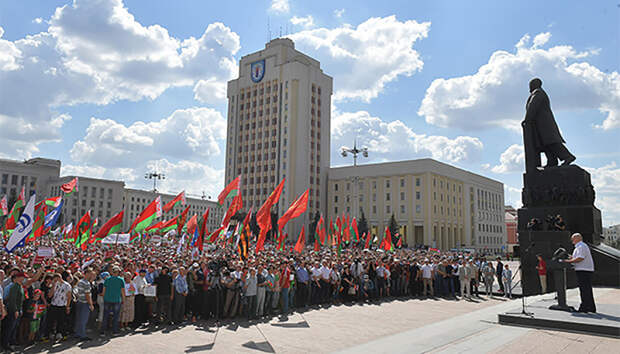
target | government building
x=279, y=127
x=104, y=198
x=434, y=204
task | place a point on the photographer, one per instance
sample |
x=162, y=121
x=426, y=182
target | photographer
x=558, y=223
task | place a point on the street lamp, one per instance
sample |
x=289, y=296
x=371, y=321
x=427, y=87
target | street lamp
x=154, y=176
x=355, y=151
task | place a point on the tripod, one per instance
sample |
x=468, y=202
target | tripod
x=523, y=311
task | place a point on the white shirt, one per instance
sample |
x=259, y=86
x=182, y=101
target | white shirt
x=325, y=272
x=140, y=283
x=426, y=271
x=583, y=251
x=60, y=293
x=316, y=273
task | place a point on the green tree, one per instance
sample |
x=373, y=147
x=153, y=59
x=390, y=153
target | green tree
x=393, y=225
x=362, y=224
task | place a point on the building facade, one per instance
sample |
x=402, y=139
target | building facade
x=512, y=238
x=435, y=204
x=279, y=127
x=611, y=235
x=33, y=174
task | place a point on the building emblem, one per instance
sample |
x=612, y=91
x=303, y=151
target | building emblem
x=257, y=70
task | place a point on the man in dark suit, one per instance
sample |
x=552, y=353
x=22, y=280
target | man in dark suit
x=498, y=273
x=540, y=131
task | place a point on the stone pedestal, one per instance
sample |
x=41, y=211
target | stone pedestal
x=566, y=191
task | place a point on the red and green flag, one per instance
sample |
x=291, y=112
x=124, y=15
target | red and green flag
x=231, y=190
x=112, y=226
x=4, y=206
x=154, y=228
x=263, y=216
x=146, y=217
x=11, y=221
x=179, y=199
x=386, y=243
x=301, y=241
x=203, y=229
x=37, y=227
x=181, y=219
x=355, y=230
x=83, y=230
x=53, y=202
x=71, y=186
x=234, y=207
x=168, y=225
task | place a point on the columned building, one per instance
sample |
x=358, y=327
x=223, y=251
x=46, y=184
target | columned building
x=435, y=204
x=279, y=127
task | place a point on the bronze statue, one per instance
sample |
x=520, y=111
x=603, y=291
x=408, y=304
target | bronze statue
x=541, y=133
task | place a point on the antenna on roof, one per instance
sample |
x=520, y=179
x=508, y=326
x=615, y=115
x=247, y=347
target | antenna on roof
x=280, y=31
x=268, y=28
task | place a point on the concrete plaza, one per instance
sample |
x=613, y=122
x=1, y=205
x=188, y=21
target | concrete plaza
x=405, y=326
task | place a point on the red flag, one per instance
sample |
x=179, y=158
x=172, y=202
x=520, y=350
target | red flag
x=203, y=229
x=234, y=185
x=70, y=186
x=215, y=233
x=234, y=207
x=192, y=224
x=263, y=216
x=367, y=241
x=317, y=246
x=386, y=244
x=146, y=217
x=399, y=244
x=4, y=206
x=301, y=241
x=114, y=223
x=171, y=204
x=296, y=209
x=181, y=220
x=354, y=225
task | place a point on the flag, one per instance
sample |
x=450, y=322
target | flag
x=192, y=224
x=70, y=186
x=4, y=206
x=24, y=226
x=386, y=243
x=68, y=231
x=296, y=209
x=434, y=250
x=181, y=220
x=317, y=246
x=234, y=207
x=11, y=220
x=317, y=231
x=52, y=217
x=243, y=241
x=174, y=202
x=53, y=202
x=215, y=233
x=301, y=241
x=231, y=190
x=169, y=225
x=37, y=228
x=154, y=228
x=367, y=245
x=354, y=226
x=263, y=216
x=399, y=244
x=203, y=229
x=81, y=231
x=112, y=226
x=181, y=242
x=146, y=217
x=322, y=230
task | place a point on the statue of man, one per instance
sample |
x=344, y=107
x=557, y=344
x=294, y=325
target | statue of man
x=540, y=131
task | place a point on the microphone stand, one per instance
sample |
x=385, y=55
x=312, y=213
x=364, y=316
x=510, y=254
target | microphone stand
x=523, y=311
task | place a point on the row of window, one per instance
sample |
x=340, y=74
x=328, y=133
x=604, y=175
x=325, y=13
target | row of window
x=403, y=184
x=441, y=184
x=490, y=228
x=388, y=209
x=15, y=179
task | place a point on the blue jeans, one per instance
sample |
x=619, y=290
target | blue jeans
x=284, y=297
x=114, y=309
x=82, y=312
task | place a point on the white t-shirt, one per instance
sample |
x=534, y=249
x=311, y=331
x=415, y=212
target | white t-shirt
x=583, y=251
x=60, y=293
x=426, y=271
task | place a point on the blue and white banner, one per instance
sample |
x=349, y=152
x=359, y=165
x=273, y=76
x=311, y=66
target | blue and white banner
x=52, y=217
x=24, y=226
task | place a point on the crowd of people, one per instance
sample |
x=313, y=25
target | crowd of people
x=108, y=289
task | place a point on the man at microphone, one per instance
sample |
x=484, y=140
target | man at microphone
x=584, y=268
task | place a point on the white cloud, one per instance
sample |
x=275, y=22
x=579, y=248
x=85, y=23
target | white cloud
x=305, y=22
x=38, y=20
x=193, y=177
x=606, y=180
x=392, y=141
x=192, y=133
x=367, y=57
x=495, y=95
x=210, y=91
x=82, y=170
x=280, y=6
x=96, y=52
x=339, y=13
x=512, y=196
x=9, y=54
x=511, y=160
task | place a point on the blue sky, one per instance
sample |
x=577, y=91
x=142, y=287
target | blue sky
x=114, y=88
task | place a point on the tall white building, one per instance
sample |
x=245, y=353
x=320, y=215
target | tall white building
x=33, y=174
x=279, y=127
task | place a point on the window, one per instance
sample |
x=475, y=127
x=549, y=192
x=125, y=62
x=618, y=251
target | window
x=109, y=193
x=374, y=184
x=402, y=195
x=374, y=197
x=387, y=196
x=402, y=183
x=387, y=183
x=417, y=182
x=418, y=208
x=5, y=178
x=374, y=209
x=387, y=209
x=417, y=195
x=348, y=186
x=402, y=209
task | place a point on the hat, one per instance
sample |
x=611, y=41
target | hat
x=38, y=291
x=105, y=275
x=142, y=271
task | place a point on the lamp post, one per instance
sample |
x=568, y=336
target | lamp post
x=355, y=151
x=154, y=176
